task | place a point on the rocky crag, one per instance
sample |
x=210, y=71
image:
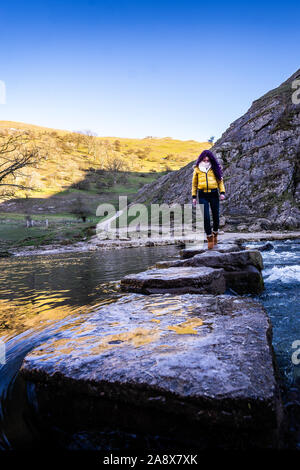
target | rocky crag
x=260, y=155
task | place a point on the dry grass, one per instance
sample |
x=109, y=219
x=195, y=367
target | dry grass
x=71, y=154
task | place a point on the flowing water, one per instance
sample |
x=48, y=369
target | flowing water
x=281, y=299
x=40, y=295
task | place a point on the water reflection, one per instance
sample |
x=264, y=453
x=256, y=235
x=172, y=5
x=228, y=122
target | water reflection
x=40, y=298
x=37, y=290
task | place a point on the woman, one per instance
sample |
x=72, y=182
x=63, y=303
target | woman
x=208, y=179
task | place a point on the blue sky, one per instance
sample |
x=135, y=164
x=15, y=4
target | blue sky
x=182, y=69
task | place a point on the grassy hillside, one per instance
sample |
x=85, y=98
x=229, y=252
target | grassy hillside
x=81, y=167
x=70, y=155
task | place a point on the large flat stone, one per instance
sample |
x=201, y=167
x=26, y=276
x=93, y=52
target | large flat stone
x=231, y=261
x=203, y=280
x=220, y=248
x=196, y=368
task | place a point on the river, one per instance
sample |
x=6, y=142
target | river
x=39, y=295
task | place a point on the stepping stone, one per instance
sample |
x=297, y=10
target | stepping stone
x=203, y=280
x=266, y=247
x=242, y=269
x=5, y=254
x=246, y=281
x=198, y=369
x=230, y=261
x=220, y=248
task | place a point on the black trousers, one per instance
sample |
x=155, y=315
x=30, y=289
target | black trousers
x=210, y=199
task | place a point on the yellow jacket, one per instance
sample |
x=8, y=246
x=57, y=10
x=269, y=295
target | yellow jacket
x=206, y=181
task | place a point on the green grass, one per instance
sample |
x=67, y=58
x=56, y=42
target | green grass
x=68, y=158
x=62, y=229
x=4, y=216
x=66, y=175
x=14, y=235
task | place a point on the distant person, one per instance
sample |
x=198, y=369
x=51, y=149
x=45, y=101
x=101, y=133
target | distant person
x=208, y=180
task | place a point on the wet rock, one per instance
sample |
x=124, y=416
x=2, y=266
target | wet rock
x=248, y=280
x=222, y=221
x=5, y=254
x=242, y=269
x=266, y=247
x=255, y=227
x=196, y=368
x=242, y=227
x=204, y=280
x=220, y=247
x=230, y=261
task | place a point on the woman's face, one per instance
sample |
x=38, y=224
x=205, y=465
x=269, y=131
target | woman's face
x=206, y=159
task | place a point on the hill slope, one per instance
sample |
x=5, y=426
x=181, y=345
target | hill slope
x=79, y=172
x=70, y=154
x=260, y=154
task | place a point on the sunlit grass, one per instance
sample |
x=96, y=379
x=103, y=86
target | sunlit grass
x=65, y=175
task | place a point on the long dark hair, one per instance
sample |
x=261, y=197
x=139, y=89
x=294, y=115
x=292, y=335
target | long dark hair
x=217, y=169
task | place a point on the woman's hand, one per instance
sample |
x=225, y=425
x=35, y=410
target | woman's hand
x=222, y=196
x=194, y=202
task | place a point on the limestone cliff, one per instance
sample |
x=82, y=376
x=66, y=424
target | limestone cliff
x=260, y=155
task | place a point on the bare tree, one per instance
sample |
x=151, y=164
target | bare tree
x=87, y=138
x=81, y=210
x=114, y=164
x=16, y=153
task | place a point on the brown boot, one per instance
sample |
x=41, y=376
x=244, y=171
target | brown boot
x=215, y=235
x=210, y=242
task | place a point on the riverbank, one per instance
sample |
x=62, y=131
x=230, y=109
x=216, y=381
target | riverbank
x=95, y=244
